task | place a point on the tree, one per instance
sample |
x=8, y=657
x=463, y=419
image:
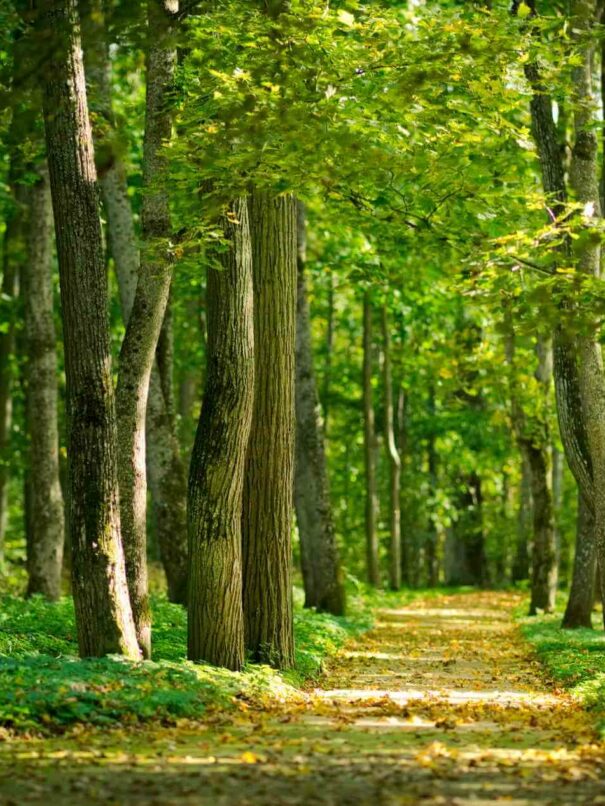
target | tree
x=103, y=613
x=393, y=457
x=371, y=506
x=578, y=612
x=46, y=529
x=147, y=315
x=165, y=468
x=218, y=462
x=319, y=552
x=267, y=513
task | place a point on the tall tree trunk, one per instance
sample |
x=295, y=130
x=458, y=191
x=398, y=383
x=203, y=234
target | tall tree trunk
x=393, y=457
x=578, y=612
x=218, y=462
x=165, y=469
x=557, y=463
x=520, y=569
x=401, y=440
x=12, y=259
x=45, y=533
x=371, y=507
x=145, y=322
x=268, y=492
x=327, y=383
x=584, y=179
x=103, y=612
x=319, y=552
x=431, y=558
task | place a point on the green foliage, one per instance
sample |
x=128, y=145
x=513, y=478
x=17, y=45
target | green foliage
x=44, y=686
x=574, y=658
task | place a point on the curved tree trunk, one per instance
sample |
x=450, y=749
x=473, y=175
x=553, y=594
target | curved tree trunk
x=218, y=462
x=267, y=518
x=319, y=552
x=45, y=533
x=165, y=469
x=578, y=612
x=393, y=457
x=103, y=613
x=371, y=507
x=145, y=322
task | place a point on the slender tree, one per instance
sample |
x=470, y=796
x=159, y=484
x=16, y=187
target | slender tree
x=218, y=462
x=45, y=532
x=267, y=516
x=393, y=458
x=371, y=507
x=319, y=552
x=103, y=612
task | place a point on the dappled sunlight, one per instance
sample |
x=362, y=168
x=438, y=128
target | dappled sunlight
x=431, y=713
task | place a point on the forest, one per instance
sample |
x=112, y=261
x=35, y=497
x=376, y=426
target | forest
x=302, y=401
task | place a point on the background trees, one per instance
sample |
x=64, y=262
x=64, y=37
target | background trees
x=446, y=231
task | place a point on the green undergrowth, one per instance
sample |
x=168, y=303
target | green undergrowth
x=575, y=659
x=45, y=687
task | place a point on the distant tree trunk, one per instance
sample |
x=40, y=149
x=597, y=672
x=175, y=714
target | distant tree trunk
x=218, y=462
x=103, y=613
x=12, y=259
x=578, y=612
x=165, y=469
x=431, y=559
x=402, y=447
x=319, y=552
x=520, y=569
x=268, y=492
x=393, y=457
x=329, y=352
x=145, y=322
x=45, y=533
x=558, y=461
x=372, y=561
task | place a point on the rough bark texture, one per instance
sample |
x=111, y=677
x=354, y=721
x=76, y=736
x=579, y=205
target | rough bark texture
x=393, y=459
x=218, y=462
x=12, y=258
x=578, y=612
x=267, y=518
x=45, y=533
x=319, y=552
x=145, y=322
x=103, y=613
x=369, y=444
x=165, y=469
x=584, y=179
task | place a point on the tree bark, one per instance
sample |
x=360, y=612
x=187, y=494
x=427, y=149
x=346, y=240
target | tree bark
x=268, y=492
x=584, y=179
x=431, y=558
x=319, y=552
x=520, y=569
x=578, y=612
x=218, y=462
x=145, y=322
x=12, y=259
x=45, y=533
x=103, y=612
x=371, y=506
x=393, y=458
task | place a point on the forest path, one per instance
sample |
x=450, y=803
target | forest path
x=441, y=703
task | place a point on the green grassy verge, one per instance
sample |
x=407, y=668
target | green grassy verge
x=575, y=659
x=45, y=687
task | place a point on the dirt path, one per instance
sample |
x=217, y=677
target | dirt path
x=440, y=704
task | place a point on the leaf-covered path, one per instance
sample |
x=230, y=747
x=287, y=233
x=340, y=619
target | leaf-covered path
x=441, y=703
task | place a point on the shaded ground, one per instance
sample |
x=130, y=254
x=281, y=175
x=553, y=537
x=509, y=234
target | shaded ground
x=440, y=704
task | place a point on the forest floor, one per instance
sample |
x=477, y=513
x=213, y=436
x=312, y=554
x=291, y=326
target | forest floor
x=442, y=702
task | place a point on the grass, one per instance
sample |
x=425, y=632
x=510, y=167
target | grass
x=46, y=688
x=575, y=659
